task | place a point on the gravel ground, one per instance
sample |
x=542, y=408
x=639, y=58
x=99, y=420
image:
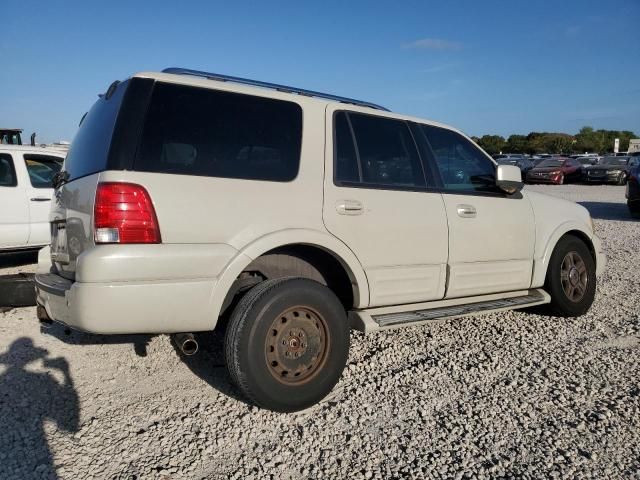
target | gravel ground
x=513, y=395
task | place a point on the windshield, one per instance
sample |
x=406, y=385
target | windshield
x=551, y=163
x=614, y=161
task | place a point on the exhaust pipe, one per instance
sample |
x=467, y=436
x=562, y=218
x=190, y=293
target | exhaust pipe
x=186, y=342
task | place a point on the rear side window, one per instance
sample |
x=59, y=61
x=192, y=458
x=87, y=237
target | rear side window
x=7, y=171
x=462, y=165
x=41, y=169
x=90, y=148
x=382, y=152
x=196, y=131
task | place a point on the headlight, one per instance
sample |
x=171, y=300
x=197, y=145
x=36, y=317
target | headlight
x=616, y=172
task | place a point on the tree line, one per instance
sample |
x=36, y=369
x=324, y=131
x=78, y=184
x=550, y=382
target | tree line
x=586, y=140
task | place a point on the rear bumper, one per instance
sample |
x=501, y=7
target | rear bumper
x=127, y=307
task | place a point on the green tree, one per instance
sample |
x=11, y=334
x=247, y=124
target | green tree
x=492, y=144
x=516, y=144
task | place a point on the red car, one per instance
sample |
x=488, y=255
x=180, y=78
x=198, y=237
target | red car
x=557, y=170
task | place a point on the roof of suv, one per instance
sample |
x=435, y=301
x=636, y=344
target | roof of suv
x=264, y=89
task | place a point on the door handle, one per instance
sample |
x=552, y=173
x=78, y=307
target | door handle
x=349, y=207
x=466, y=211
x=40, y=199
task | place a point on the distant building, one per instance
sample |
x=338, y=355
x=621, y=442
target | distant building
x=634, y=145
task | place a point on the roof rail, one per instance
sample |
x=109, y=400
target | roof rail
x=274, y=86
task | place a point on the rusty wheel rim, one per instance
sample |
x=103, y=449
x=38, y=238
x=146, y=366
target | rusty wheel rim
x=573, y=276
x=296, y=345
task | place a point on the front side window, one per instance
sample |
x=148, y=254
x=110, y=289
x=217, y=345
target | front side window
x=381, y=152
x=197, y=131
x=7, y=171
x=463, y=167
x=41, y=169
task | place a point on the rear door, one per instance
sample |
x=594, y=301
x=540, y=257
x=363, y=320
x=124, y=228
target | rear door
x=378, y=203
x=39, y=190
x=491, y=235
x=14, y=212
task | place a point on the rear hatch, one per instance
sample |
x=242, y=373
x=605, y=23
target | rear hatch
x=105, y=140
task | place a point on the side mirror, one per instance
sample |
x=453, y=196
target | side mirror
x=509, y=179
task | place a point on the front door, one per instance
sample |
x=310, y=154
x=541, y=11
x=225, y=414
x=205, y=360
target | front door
x=491, y=234
x=40, y=169
x=14, y=212
x=376, y=201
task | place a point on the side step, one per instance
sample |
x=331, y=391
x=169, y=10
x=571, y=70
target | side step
x=408, y=315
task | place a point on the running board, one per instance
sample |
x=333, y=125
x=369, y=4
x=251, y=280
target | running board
x=417, y=314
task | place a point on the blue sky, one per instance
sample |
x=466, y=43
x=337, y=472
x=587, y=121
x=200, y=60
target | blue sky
x=485, y=67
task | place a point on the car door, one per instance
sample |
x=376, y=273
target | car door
x=377, y=202
x=491, y=234
x=39, y=191
x=14, y=211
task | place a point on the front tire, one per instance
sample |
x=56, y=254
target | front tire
x=622, y=179
x=571, y=278
x=287, y=343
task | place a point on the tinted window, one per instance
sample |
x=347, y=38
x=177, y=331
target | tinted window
x=90, y=147
x=196, y=131
x=385, y=149
x=462, y=165
x=550, y=163
x=7, y=171
x=41, y=169
x=346, y=165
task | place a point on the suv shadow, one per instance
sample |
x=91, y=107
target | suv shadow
x=608, y=211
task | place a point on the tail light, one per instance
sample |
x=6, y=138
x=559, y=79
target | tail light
x=124, y=213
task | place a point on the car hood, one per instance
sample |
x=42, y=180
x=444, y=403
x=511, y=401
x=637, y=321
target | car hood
x=606, y=167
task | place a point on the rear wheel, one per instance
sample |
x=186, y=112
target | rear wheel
x=571, y=278
x=287, y=343
x=634, y=209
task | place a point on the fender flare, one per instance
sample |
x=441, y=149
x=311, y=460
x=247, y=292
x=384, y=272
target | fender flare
x=541, y=264
x=314, y=238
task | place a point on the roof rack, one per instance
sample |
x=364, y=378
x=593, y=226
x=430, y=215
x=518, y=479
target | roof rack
x=274, y=86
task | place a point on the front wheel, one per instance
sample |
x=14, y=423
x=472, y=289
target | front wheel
x=287, y=343
x=571, y=278
x=622, y=179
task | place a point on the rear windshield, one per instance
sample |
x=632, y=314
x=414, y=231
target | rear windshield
x=90, y=147
x=196, y=131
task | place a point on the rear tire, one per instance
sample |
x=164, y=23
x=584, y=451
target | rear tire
x=571, y=278
x=634, y=209
x=287, y=343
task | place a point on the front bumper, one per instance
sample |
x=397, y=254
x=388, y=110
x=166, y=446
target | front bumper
x=601, y=258
x=127, y=307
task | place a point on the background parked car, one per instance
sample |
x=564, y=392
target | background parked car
x=524, y=164
x=556, y=170
x=26, y=175
x=633, y=187
x=609, y=170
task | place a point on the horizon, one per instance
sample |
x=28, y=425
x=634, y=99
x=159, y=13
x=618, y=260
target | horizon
x=486, y=69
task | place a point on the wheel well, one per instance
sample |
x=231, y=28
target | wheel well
x=585, y=239
x=297, y=260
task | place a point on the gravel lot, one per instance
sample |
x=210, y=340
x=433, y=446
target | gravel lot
x=507, y=395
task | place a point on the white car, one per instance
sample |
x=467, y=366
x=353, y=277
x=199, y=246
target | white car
x=26, y=175
x=187, y=197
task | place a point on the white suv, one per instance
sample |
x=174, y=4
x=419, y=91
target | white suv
x=189, y=197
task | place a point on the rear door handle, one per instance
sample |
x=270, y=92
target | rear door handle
x=349, y=207
x=466, y=211
x=40, y=199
